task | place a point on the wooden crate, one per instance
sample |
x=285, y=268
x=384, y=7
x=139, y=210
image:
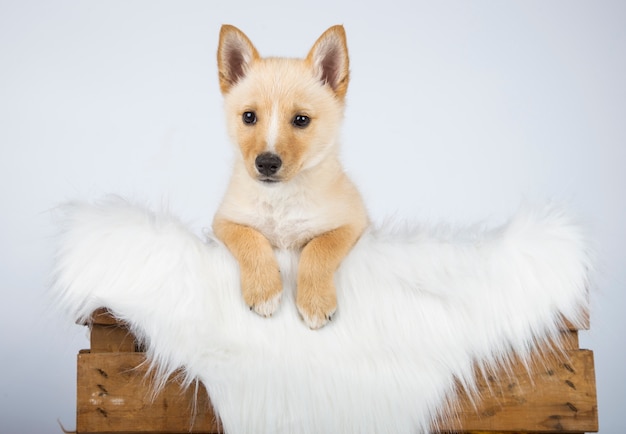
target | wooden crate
x=113, y=393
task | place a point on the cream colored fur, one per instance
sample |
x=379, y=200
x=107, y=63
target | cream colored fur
x=310, y=204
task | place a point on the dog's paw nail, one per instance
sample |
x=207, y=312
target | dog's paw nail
x=268, y=307
x=316, y=322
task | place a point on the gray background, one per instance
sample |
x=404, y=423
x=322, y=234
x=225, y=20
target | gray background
x=457, y=111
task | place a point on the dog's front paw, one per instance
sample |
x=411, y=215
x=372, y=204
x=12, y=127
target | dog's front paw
x=317, y=305
x=266, y=306
x=262, y=289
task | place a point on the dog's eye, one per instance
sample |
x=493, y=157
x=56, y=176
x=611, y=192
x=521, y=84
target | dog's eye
x=249, y=118
x=301, y=121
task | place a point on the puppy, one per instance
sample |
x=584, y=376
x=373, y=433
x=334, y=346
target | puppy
x=288, y=189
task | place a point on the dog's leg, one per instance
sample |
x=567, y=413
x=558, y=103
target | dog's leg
x=320, y=258
x=261, y=284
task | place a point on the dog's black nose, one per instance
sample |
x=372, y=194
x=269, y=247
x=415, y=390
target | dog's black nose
x=268, y=163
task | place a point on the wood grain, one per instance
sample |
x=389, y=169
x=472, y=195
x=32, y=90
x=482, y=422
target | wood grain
x=113, y=396
x=559, y=397
x=114, y=393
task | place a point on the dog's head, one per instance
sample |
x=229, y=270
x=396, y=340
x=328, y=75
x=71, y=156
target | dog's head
x=284, y=114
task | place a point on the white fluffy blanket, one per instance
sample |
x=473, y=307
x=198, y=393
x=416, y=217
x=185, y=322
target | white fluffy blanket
x=418, y=308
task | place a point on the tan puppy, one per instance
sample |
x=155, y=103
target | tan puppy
x=288, y=189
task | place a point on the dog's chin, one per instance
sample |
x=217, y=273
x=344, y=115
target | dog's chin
x=268, y=180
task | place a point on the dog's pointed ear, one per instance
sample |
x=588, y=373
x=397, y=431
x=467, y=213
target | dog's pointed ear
x=329, y=59
x=235, y=53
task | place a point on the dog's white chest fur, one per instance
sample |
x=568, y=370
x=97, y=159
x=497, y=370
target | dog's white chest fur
x=287, y=223
x=287, y=215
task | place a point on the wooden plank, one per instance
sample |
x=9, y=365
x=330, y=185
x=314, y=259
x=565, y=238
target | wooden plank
x=100, y=316
x=109, y=335
x=111, y=339
x=507, y=432
x=559, y=397
x=585, y=323
x=113, y=397
x=569, y=340
x=104, y=317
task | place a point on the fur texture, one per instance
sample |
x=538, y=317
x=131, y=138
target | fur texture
x=288, y=188
x=425, y=305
